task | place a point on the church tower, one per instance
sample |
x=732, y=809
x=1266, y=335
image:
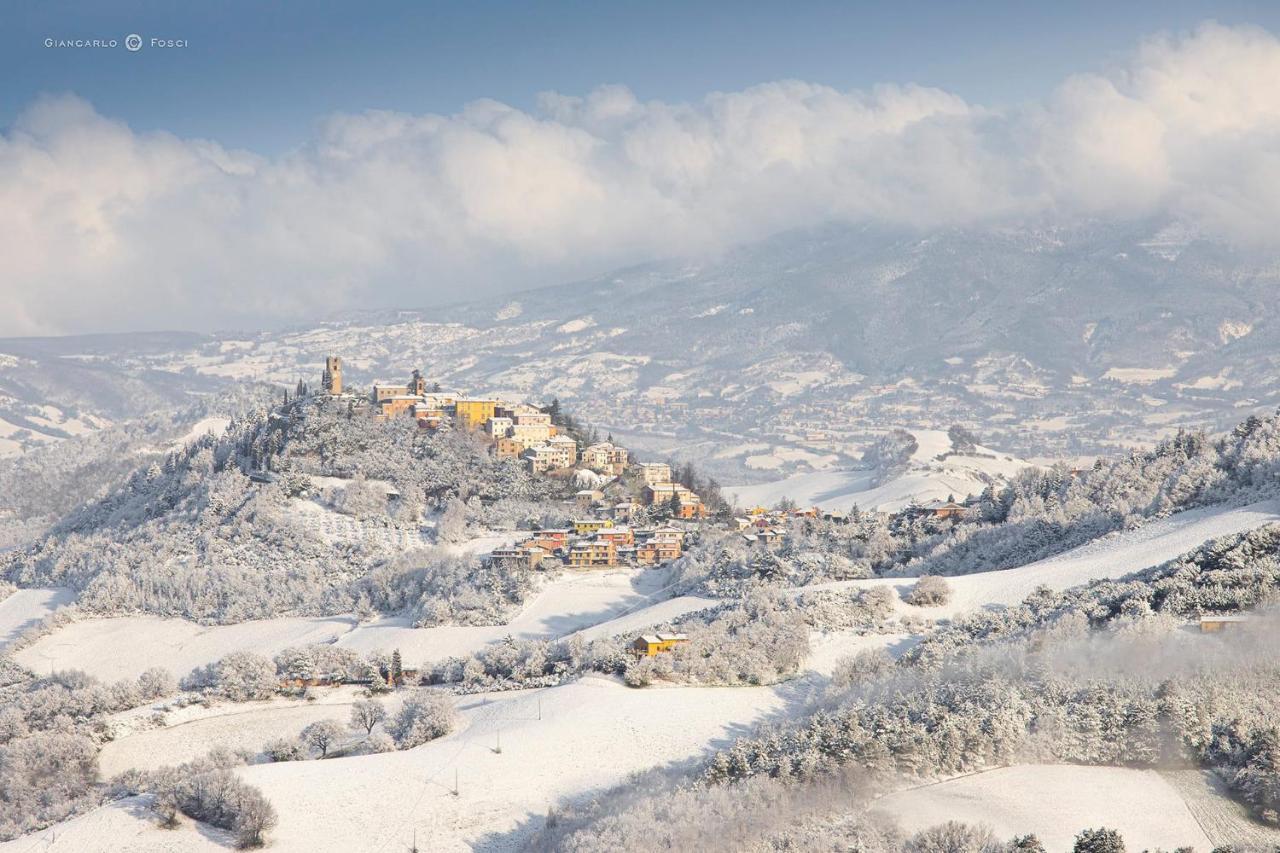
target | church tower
x=333, y=375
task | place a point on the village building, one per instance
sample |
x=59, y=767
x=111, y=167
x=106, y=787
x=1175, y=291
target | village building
x=1212, y=623
x=498, y=427
x=567, y=444
x=508, y=448
x=331, y=379
x=525, y=555
x=654, y=472
x=605, y=458
x=617, y=535
x=547, y=457
x=593, y=554
x=587, y=526
x=648, y=645
x=472, y=413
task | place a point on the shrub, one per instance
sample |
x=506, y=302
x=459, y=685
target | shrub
x=1100, y=840
x=284, y=749
x=426, y=715
x=929, y=591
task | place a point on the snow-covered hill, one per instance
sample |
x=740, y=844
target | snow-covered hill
x=936, y=471
x=789, y=355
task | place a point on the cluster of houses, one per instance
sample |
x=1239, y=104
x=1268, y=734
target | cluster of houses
x=595, y=543
x=604, y=537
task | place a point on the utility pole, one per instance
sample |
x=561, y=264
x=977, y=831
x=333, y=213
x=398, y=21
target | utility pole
x=498, y=749
x=539, y=707
x=455, y=781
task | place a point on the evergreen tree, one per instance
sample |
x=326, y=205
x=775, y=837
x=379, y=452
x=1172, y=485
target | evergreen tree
x=397, y=669
x=1100, y=840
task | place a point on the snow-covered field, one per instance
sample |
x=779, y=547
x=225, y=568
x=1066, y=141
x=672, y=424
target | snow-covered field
x=1109, y=557
x=927, y=479
x=1055, y=802
x=376, y=802
x=591, y=734
x=563, y=606
x=125, y=647
x=192, y=731
x=26, y=607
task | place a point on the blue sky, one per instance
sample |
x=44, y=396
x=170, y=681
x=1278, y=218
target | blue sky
x=260, y=74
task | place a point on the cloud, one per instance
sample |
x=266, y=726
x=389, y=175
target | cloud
x=102, y=227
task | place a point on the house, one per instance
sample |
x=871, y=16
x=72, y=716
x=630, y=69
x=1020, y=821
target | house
x=565, y=444
x=498, y=427
x=531, y=427
x=508, y=448
x=593, y=554
x=546, y=457
x=605, y=457
x=1212, y=623
x=526, y=555
x=943, y=509
x=648, y=645
x=548, y=540
x=587, y=526
x=690, y=506
x=474, y=412
x=654, y=472
x=617, y=535
x=659, y=493
x=585, y=498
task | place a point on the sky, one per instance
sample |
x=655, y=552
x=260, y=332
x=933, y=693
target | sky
x=286, y=159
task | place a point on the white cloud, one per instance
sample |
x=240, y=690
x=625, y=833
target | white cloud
x=103, y=227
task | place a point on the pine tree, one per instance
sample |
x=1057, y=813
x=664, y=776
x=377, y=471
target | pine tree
x=397, y=669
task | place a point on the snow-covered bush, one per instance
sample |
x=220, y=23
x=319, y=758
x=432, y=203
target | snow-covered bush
x=426, y=715
x=929, y=591
x=284, y=749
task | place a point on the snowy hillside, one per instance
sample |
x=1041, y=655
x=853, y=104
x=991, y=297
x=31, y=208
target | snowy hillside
x=789, y=355
x=936, y=471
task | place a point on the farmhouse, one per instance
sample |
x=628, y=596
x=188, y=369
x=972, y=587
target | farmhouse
x=1212, y=623
x=648, y=645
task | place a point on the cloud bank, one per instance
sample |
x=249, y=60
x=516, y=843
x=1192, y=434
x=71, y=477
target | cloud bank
x=102, y=227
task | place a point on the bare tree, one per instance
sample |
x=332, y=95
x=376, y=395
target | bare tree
x=321, y=735
x=365, y=714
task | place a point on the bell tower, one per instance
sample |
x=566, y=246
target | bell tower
x=333, y=375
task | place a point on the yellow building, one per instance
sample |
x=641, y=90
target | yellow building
x=474, y=412
x=649, y=645
x=587, y=526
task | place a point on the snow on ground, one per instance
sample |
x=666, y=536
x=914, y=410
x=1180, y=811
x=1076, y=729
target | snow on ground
x=125, y=825
x=560, y=742
x=191, y=732
x=201, y=428
x=927, y=479
x=826, y=648
x=26, y=607
x=126, y=646
x=1055, y=802
x=1225, y=821
x=563, y=606
x=1109, y=557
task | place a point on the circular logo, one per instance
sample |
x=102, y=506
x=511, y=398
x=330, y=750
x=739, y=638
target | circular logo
x=133, y=42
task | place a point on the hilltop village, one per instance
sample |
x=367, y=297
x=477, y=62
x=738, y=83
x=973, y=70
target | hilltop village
x=627, y=512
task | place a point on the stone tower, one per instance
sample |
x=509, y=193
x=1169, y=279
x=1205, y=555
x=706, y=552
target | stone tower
x=333, y=375
x=417, y=384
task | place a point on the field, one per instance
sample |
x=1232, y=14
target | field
x=376, y=802
x=124, y=647
x=26, y=607
x=1056, y=801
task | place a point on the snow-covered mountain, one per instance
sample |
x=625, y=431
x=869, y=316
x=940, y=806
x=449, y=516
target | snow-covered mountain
x=791, y=354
